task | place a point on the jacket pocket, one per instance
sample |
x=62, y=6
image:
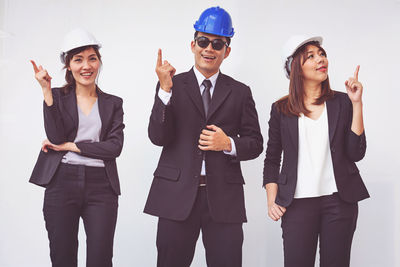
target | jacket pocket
x=282, y=179
x=166, y=172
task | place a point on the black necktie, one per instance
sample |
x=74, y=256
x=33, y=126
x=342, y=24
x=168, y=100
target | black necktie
x=206, y=95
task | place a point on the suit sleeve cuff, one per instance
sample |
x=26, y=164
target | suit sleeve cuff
x=355, y=136
x=164, y=96
x=48, y=108
x=233, y=150
x=357, y=139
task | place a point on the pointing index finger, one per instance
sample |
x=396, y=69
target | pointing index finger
x=35, y=68
x=159, y=58
x=356, y=72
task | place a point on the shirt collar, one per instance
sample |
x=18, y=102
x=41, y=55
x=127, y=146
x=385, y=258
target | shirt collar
x=200, y=77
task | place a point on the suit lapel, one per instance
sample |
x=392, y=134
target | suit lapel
x=105, y=111
x=221, y=91
x=193, y=90
x=333, y=109
x=293, y=128
x=71, y=107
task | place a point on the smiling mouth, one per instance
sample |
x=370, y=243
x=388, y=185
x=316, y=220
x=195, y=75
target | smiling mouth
x=208, y=57
x=87, y=74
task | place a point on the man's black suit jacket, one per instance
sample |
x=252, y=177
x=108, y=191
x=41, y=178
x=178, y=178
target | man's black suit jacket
x=346, y=149
x=177, y=127
x=61, y=124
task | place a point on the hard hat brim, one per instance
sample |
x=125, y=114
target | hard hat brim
x=317, y=39
x=199, y=29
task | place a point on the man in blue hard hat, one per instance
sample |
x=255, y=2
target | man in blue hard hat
x=206, y=123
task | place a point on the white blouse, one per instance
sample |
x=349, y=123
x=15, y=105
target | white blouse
x=315, y=175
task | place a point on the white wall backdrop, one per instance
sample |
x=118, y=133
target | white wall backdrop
x=355, y=32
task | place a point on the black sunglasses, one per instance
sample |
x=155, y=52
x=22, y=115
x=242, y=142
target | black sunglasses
x=217, y=44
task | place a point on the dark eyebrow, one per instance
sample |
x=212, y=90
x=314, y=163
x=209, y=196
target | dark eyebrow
x=311, y=51
x=92, y=55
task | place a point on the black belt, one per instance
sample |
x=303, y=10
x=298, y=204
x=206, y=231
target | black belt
x=202, y=180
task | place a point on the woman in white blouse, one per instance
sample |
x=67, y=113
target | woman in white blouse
x=321, y=135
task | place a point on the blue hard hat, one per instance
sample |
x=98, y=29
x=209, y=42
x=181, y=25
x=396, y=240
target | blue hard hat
x=215, y=20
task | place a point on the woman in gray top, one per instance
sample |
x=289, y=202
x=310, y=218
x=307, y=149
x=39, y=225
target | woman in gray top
x=84, y=127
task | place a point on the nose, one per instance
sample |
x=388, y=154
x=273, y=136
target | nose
x=320, y=59
x=86, y=64
x=209, y=47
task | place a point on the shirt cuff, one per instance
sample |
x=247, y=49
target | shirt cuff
x=233, y=151
x=164, y=96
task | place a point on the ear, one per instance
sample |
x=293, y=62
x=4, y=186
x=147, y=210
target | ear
x=227, y=52
x=192, y=45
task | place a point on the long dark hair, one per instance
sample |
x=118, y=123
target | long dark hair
x=69, y=78
x=293, y=103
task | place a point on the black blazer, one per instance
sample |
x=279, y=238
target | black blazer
x=346, y=149
x=61, y=125
x=177, y=127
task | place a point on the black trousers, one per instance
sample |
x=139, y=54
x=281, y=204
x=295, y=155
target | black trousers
x=328, y=218
x=80, y=191
x=176, y=240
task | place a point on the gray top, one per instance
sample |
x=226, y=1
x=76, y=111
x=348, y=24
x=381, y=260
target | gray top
x=88, y=131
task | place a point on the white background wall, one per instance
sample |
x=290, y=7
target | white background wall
x=355, y=32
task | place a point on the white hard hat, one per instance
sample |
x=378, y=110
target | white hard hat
x=77, y=38
x=291, y=46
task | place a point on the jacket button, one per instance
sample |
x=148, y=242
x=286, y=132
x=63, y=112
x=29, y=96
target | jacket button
x=333, y=150
x=199, y=153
